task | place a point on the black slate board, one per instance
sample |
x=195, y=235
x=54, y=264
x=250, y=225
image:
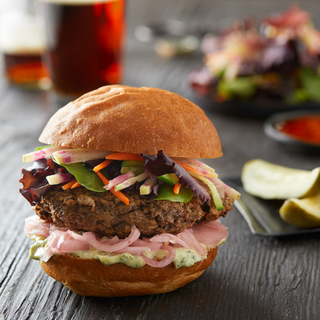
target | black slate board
x=263, y=216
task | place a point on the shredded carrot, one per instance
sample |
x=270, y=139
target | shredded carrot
x=69, y=185
x=103, y=178
x=76, y=185
x=124, y=156
x=118, y=194
x=102, y=165
x=189, y=168
x=176, y=188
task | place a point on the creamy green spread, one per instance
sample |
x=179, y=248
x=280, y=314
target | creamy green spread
x=38, y=248
x=184, y=257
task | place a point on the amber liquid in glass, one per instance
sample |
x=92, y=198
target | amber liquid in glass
x=26, y=69
x=85, y=44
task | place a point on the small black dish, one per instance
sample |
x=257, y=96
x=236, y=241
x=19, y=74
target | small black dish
x=262, y=216
x=286, y=140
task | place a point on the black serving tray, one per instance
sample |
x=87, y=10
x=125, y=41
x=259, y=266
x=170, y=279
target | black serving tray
x=262, y=216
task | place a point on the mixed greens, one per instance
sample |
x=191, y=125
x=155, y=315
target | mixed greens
x=156, y=177
x=277, y=59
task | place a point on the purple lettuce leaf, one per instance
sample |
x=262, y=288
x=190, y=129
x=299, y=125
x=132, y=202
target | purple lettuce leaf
x=279, y=57
x=34, y=179
x=33, y=195
x=160, y=164
x=202, y=81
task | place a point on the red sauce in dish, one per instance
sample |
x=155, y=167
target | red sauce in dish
x=306, y=129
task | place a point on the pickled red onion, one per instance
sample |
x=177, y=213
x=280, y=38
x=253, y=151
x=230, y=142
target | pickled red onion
x=35, y=226
x=192, y=242
x=62, y=240
x=141, y=246
x=211, y=233
x=168, y=237
x=164, y=262
x=106, y=246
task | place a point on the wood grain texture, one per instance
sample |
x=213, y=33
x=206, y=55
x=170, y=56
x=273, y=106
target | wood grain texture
x=252, y=277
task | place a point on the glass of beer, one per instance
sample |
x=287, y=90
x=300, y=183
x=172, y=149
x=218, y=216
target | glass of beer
x=85, y=40
x=22, y=43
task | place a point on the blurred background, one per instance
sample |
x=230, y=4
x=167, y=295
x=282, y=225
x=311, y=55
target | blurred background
x=166, y=36
x=143, y=29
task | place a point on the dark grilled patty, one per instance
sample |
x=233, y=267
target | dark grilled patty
x=105, y=214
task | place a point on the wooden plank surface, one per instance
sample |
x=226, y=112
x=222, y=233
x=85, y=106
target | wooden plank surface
x=252, y=277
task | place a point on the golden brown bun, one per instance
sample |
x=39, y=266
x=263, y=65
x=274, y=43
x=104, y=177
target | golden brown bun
x=90, y=277
x=134, y=120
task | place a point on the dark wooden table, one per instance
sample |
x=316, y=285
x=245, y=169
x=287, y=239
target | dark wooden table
x=253, y=277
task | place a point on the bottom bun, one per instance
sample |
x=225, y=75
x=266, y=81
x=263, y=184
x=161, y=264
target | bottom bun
x=89, y=277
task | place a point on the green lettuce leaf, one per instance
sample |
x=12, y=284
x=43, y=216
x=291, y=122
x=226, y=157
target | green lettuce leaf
x=85, y=177
x=310, y=82
x=244, y=87
x=165, y=192
x=44, y=147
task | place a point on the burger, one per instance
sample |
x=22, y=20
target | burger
x=122, y=204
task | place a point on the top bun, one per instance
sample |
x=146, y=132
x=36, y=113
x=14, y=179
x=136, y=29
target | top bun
x=134, y=120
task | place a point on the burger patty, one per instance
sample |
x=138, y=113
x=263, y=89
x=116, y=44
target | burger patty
x=105, y=214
